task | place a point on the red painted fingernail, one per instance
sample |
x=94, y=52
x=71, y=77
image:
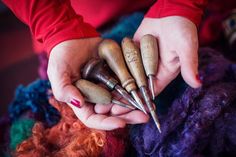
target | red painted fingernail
x=75, y=103
x=198, y=78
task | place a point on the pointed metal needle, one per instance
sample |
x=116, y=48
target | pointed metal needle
x=126, y=96
x=122, y=104
x=148, y=101
x=151, y=85
x=138, y=100
x=156, y=121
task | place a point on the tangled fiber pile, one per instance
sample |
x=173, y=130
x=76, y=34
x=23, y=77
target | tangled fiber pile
x=201, y=122
x=70, y=138
x=67, y=138
x=19, y=131
x=32, y=101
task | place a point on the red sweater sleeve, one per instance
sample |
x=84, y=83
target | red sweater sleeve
x=51, y=21
x=191, y=9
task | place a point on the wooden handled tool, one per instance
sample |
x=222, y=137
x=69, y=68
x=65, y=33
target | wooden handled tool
x=110, y=51
x=96, y=94
x=96, y=70
x=133, y=60
x=149, y=53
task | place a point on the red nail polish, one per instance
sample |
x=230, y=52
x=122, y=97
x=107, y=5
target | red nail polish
x=75, y=103
x=198, y=78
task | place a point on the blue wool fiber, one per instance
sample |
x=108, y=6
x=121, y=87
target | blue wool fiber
x=126, y=26
x=34, y=98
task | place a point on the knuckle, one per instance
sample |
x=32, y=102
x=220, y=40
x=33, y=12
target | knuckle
x=87, y=124
x=188, y=42
x=58, y=95
x=172, y=68
x=49, y=73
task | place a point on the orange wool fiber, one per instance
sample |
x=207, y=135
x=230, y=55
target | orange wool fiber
x=68, y=138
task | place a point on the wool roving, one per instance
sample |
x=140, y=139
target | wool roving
x=201, y=121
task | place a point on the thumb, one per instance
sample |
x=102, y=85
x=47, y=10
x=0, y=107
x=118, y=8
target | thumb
x=189, y=67
x=65, y=91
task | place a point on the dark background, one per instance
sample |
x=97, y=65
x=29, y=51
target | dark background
x=18, y=63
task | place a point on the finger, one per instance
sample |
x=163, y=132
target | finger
x=102, y=108
x=105, y=108
x=164, y=77
x=135, y=117
x=97, y=121
x=118, y=110
x=112, y=108
x=137, y=36
x=64, y=90
x=189, y=66
x=141, y=31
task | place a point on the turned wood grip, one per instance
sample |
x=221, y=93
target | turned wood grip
x=93, y=93
x=149, y=53
x=110, y=51
x=133, y=60
x=96, y=70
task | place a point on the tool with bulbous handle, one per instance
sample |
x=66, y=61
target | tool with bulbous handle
x=134, y=62
x=96, y=94
x=110, y=51
x=95, y=69
x=149, y=53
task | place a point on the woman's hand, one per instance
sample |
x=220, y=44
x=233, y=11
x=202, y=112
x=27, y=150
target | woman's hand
x=65, y=61
x=178, y=47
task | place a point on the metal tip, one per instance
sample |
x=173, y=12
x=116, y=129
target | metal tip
x=126, y=96
x=159, y=128
x=150, y=107
x=138, y=100
x=122, y=104
x=156, y=121
x=151, y=86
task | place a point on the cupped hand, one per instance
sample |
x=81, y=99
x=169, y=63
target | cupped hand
x=64, y=67
x=178, y=47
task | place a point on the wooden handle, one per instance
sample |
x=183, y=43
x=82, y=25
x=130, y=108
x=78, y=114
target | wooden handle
x=110, y=51
x=93, y=93
x=133, y=60
x=96, y=70
x=149, y=52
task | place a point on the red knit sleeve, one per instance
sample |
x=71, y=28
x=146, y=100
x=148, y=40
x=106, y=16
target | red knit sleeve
x=191, y=9
x=51, y=21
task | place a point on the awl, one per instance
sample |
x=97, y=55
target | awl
x=96, y=94
x=95, y=69
x=133, y=60
x=149, y=53
x=110, y=51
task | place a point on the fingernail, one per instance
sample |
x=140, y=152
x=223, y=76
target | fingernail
x=198, y=78
x=75, y=103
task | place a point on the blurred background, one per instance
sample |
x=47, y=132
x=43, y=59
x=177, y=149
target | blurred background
x=18, y=63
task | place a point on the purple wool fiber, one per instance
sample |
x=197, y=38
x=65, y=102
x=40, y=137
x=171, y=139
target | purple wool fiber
x=200, y=123
x=194, y=136
x=213, y=67
x=177, y=113
x=224, y=129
